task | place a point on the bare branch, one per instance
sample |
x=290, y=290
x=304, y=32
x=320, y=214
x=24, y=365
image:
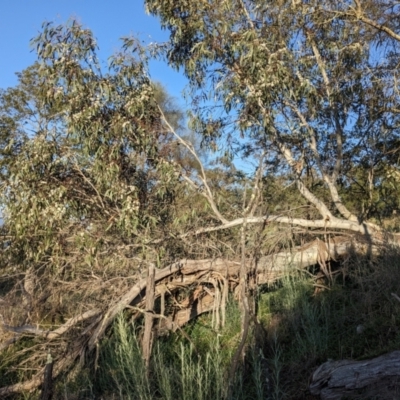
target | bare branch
x=304, y=191
x=35, y=330
x=339, y=130
x=256, y=193
x=207, y=193
x=321, y=66
x=332, y=223
x=361, y=17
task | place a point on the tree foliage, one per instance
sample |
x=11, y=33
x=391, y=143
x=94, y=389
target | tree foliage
x=81, y=150
x=311, y=84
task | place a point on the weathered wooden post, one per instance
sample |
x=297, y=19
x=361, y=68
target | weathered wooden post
x=47, y=390
x=148, y=318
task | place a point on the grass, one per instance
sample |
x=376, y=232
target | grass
x=195, y=370
x=307, y=329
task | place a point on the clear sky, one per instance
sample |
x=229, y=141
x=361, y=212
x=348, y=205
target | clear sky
x=21, y=20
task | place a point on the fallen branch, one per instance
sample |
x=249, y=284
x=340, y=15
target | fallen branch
x=36, y=331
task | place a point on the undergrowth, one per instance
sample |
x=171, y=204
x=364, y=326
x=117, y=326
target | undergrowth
x=356, y=317
x=180, y=369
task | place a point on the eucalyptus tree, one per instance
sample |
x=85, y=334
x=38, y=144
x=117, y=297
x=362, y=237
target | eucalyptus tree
x=310, y=85
x=80, y=148
x=309, y=88
x=98, y=182
x=83, y=182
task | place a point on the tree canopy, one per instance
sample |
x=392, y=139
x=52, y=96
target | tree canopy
x=311, y=85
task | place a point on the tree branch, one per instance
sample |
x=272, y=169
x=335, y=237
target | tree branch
x=251, y=207
x=361, y=17
x=332, y=223
x=207, y=193
x=34, y=330
x=329, y=180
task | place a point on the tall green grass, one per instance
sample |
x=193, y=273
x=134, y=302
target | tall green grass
x=306, y=328
x=179, y=369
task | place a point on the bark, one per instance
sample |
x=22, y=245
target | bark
x=377, y=378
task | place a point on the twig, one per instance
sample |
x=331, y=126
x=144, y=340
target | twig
x=395, y=296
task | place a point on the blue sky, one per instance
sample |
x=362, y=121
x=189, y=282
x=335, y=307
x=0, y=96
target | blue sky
x=20, y=20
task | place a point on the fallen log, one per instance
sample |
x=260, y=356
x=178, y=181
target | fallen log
x=269, y=269
x=367, y=379
x=188, y=272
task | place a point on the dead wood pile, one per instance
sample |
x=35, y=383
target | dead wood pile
x=206, y=285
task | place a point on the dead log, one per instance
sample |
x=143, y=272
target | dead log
x=367, y=379
x=188, y=272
